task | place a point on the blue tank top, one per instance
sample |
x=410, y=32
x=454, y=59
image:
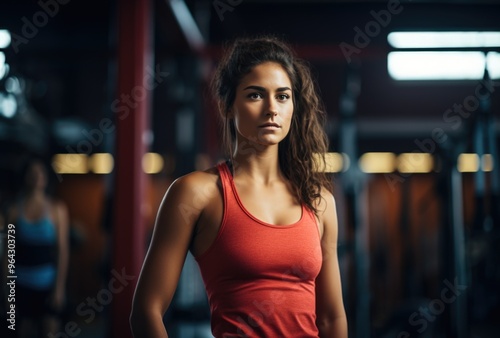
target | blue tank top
x=36, y=244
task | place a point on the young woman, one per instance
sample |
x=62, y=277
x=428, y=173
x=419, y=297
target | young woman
x=262, y=225
x=42, y=255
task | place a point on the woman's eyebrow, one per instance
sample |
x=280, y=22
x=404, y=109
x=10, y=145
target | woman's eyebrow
x=262, y=89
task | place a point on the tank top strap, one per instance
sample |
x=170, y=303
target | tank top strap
x=225, y=177
x=46, y=216
x=47, y=212
x=225, y=174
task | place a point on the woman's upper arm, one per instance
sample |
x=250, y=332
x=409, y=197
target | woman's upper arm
x=62, y=222
x=329, y=303
x=173, y=230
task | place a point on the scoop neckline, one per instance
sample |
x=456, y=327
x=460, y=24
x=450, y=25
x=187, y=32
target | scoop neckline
x=249, y=214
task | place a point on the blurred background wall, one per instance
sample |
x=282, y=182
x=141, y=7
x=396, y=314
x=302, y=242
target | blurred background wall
x=114, y=95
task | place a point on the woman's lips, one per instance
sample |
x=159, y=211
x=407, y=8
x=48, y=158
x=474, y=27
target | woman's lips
x=270, y=126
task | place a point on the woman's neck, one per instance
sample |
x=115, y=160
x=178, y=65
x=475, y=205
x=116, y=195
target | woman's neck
x=35, y=195
x=256, y=162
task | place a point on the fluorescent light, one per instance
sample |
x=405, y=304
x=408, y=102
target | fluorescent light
x=415, y=163
x=444, y=39
x=493, y=62
x=12, y=85
x=2, y=65
x=334, y=162
x=471, y=163
x=487, y=162
x=101, y=163
x=4, y=38
x=377, y=162
x=187, y=23
x=468, y=163
x=436, y=65
x=8, y=105
x=70, y=163
x=346, y=162
x=152, y=163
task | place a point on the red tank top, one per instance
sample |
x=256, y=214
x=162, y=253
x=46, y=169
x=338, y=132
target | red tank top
x=259, y=277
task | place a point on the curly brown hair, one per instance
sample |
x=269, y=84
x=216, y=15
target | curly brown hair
x=302, y=152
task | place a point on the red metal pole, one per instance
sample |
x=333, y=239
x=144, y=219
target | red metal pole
x=132, y=108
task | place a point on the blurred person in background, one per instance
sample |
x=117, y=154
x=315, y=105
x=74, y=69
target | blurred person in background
x=262, y=225
x=41, y=254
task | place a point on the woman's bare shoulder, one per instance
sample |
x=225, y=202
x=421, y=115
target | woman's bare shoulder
x=57, y=204
x=327, y=195
x=197, y=178
x=188, y=196
x=194, y=183
x=325, y=201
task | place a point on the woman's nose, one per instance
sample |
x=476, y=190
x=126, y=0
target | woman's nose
x=272, y=108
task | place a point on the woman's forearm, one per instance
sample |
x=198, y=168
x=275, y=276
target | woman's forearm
x=147, y=325
x=336, y=328
x=62, y=273
x=62, y=256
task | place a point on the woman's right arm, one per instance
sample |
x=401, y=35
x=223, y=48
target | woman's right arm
x=173, y=231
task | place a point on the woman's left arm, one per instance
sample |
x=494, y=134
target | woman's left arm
x=330, y=314
x=62, y=228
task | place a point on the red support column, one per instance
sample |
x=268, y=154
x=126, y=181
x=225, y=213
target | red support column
x=132, y=108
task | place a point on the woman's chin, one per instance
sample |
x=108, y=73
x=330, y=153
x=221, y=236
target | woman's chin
x=269, y=141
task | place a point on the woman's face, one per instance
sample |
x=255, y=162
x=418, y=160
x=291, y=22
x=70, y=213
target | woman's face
x=263, y=106
x=36, y=177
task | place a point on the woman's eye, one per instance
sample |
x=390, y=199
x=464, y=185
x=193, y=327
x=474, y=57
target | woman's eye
x=283, y=97
x=255, y=96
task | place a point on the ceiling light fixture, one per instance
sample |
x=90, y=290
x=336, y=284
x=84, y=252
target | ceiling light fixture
x=444, y=39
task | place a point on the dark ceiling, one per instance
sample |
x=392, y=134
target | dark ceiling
x=70, y=63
